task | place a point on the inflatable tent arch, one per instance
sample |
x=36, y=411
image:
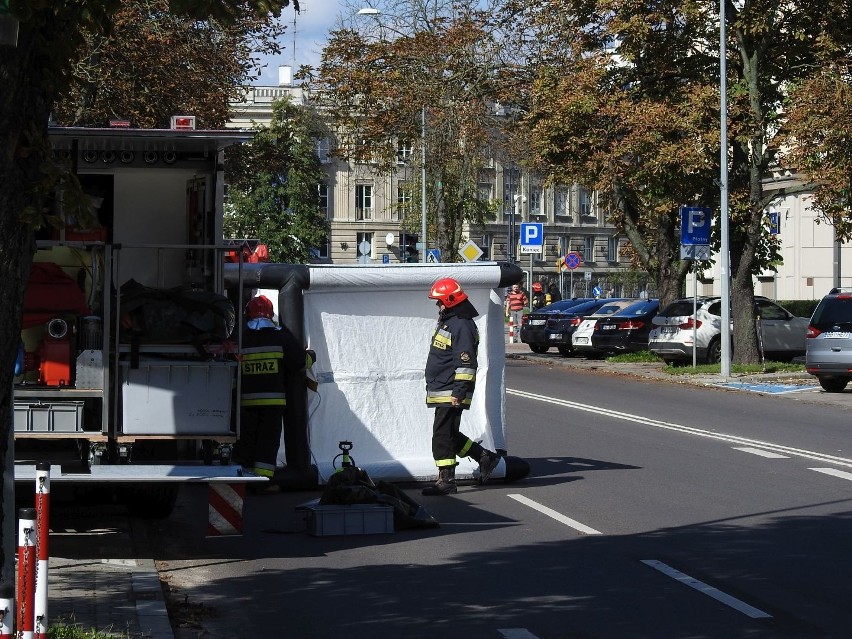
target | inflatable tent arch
x=370, y=327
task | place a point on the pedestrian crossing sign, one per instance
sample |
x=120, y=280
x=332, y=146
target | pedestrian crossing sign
x=433, y=256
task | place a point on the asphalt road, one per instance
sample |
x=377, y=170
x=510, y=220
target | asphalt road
x=653, y=510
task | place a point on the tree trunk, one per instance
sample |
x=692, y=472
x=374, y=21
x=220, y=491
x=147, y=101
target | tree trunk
x=24, y=114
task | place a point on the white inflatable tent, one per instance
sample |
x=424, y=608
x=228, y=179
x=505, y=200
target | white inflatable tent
x=370, y=327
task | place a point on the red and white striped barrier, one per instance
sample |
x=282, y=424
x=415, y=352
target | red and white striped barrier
x=27, y=563
x=42, y=509
x=7, y=614
x=225, y=509
x=511, y=331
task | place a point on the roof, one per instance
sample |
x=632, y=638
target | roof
x=182, y=140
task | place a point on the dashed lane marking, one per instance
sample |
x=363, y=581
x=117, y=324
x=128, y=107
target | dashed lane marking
x=710, y=591
x=516, y=633
x=761, y=453
x=688, y=430
x=576, y=525
x=834, y=473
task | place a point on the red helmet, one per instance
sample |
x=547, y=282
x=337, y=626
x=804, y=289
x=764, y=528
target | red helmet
x=448, y=292
x=537, y=287
x=259, y=306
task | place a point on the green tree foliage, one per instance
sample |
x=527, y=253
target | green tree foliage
x=34, y=76
x=625, y=99
x=376, y=79
x=820, y=145
x=274, y=186
x=201, y=65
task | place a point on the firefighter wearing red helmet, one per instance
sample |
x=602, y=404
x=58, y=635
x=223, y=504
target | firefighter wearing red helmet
x=270, y=355
x=450, y=379
x=539, y=297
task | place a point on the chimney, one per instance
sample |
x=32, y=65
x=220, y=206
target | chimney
x=285, y=75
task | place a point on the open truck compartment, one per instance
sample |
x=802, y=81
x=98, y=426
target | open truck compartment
x=96, y=388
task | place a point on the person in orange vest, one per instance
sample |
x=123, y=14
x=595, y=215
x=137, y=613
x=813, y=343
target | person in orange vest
x=269, y=354
x=516, y=302
x=450, y=380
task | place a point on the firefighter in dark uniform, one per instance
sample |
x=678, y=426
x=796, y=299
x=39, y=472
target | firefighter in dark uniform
x=268, y=356
x=450, y=379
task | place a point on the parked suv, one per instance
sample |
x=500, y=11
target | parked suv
x=532, y=329
x=828, y=353
x=783, y=334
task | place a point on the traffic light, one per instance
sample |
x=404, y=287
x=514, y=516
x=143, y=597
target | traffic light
x=408, y=248
x=411, y=253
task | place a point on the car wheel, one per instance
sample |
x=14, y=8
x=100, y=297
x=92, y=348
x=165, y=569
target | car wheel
x=539, y=348
x=833, y=384
x=714, y=351
x=565, y=351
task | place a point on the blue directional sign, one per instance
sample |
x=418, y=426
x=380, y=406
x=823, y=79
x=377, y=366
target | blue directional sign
x=532, y=237
x=596, y=291
x=774, y=222
x=694, y=225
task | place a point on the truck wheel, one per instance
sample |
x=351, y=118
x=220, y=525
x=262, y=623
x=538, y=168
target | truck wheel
x=151, y=501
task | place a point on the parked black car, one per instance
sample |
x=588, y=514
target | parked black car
x=627, y=330
x=562, y=324
x=532, y=330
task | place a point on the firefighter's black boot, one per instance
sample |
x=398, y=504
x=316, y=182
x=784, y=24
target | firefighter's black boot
x=487, y=463
x=446, y=484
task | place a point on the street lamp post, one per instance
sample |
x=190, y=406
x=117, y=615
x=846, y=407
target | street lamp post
x=372, y=11
x=723, y=186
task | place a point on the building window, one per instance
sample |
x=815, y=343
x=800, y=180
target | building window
x=535, y=200
x=365, y=241
x=323, y=147
x=585, y=202
x=403, y=201
x=563, y=202
x=404, y=151
x=486, y=191
x=323, y=199
x=363, y=201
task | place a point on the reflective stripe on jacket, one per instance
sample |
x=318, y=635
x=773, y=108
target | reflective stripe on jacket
x=451, y=364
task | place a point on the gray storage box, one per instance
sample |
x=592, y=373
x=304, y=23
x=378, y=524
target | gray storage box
x=177, y=398
x=350, y=519
x=55, y=417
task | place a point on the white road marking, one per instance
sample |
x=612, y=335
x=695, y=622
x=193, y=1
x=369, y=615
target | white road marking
x=688, y=430
x=516, y=633
x=761, y=453
x=835, y=473
x=710, y=591
x=576, y=525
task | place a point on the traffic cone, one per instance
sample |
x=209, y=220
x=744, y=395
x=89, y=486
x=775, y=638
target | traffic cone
x=511, y=331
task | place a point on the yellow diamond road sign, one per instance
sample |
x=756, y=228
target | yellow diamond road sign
x=470, y=252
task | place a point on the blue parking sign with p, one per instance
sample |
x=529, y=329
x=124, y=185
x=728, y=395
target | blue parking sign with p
x=532, y=234
x=694, y=225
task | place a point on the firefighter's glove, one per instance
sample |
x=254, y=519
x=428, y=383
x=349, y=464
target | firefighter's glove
x=310, y=358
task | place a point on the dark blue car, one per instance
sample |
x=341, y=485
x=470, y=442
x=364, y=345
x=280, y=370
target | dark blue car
x=627, y=330
x=532, y=330
x=560, y=326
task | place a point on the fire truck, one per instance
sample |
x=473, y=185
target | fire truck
x=126, y=370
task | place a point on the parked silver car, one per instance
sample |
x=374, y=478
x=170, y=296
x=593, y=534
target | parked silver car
x=783, y=334
x=829, y=343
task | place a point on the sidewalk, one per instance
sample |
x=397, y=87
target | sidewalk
x=102, y=577
x=654, y=370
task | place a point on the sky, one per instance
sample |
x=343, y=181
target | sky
x=316, y=19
